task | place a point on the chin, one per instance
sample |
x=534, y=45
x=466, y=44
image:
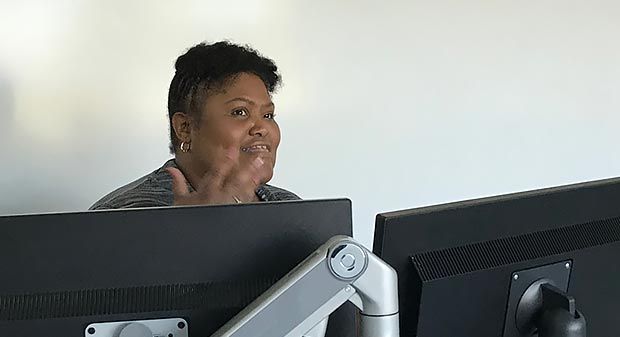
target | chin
x=268, y=178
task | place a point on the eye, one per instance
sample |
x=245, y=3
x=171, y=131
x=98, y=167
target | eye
x=270, y=115
x=239, y=112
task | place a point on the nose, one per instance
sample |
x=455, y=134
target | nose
x=259, y=128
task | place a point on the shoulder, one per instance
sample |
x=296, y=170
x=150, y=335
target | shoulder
x=151, y=190
x=273, y=193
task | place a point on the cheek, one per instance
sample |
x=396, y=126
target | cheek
x=234, y=136
x=221, y=135
x=276, y=134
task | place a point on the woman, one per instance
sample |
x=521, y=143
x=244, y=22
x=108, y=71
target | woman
x=222, y=131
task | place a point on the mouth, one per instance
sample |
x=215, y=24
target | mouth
x=256, y=148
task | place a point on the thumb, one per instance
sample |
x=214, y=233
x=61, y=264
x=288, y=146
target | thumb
x=179, y=183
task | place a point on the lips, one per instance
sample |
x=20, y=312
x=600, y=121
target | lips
x=256, y=148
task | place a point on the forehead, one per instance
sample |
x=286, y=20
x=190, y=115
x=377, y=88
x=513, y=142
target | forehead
x=245, y=85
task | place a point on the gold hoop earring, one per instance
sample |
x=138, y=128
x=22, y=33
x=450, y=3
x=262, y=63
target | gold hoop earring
x=184, y=147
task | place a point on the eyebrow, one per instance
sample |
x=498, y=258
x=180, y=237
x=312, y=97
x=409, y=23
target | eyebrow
x=249, y=101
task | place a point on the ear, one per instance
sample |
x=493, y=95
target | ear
x=182, y=124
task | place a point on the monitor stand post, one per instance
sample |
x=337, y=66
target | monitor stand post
x=558, y=315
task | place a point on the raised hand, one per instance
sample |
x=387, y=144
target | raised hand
x=229, y=181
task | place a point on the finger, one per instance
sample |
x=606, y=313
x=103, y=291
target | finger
x=220, y=170
x=257, y=171
x=250, y=174
x=266, y=170
x=231, y=153
x=179, y=183
x=267, y=157
x=261, y=168
x=244, y=181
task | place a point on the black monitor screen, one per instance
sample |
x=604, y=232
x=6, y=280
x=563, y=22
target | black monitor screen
x=477, y=268
x=62, y=272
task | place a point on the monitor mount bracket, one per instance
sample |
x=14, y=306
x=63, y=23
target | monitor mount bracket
x=299, y=304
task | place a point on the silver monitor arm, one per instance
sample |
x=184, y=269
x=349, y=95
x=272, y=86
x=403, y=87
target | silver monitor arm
x=299, y=304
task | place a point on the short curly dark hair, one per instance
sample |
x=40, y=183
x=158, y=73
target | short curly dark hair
x=207, y=68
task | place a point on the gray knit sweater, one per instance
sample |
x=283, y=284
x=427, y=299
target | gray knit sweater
x=155, y=189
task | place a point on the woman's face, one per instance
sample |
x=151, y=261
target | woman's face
x=237, y=122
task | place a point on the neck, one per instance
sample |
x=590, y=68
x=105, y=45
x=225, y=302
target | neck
x=195, y=171
x=189, y=169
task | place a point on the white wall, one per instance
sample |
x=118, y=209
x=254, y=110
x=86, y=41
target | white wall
x=394, y=104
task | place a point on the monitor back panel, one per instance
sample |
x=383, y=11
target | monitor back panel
x=455, y=261
x=61, y=272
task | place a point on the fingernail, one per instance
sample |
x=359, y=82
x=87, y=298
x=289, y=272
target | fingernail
x=230, y=153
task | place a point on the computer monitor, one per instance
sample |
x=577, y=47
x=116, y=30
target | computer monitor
x=476, y=268
x=62, y=272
